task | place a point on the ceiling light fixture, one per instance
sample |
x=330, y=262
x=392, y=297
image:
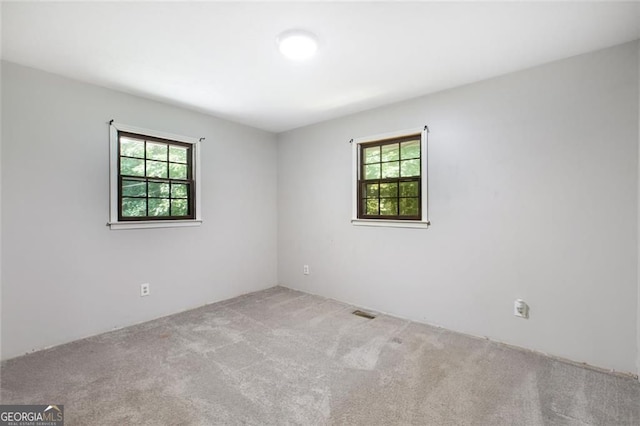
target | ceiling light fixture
x=297, y=45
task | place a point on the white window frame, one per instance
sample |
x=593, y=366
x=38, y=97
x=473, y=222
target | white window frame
x=355, y=147
x=114, y=223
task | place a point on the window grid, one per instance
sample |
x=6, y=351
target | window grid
x=364, y=197
x=172, y=182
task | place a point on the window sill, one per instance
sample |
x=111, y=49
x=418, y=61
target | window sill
x=391, y=223
x=154, y=224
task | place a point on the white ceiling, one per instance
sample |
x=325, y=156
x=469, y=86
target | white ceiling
x=221, y=58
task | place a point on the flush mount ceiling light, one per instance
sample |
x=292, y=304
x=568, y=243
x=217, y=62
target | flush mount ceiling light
x=297, y=45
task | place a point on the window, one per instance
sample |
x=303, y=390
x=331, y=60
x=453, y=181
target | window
x=153, y=179
x=390, y=185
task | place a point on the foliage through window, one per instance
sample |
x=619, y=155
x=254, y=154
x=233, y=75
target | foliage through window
x=155, y=178
x=390, y=178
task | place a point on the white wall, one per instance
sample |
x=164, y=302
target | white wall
x=66, y=275
x=533, y=195
x=638, y=360
x=1, y=4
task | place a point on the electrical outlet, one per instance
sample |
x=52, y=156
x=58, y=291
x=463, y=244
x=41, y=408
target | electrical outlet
x=305, y=269
x=521, y=309
x=144, y=289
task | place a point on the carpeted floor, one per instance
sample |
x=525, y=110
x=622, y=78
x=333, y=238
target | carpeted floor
x=281, y=357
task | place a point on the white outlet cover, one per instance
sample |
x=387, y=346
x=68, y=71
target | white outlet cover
x=521, y=309
x=145, y=290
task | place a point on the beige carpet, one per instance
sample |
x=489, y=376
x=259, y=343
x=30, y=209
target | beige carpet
x=281, y=357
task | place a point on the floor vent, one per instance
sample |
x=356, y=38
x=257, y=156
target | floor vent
x=364, y=314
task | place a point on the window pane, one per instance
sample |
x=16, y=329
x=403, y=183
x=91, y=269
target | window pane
x=390, y=170
x=408, y=189
x=370, y=206
x=177, y=171
x=410, y=168
x=390, y=152
x=389, y=206
x=134, y=188
x=408, y=206
x=178, y=190
x=134, y=207
x=131, y=167
x=371, y=190
x=410, y=149
x=372, y=171
x=177, y=154
x=388, y=190
x=157, y=151
x=157, y=189
x=179, y=208
x=158, y=207
x=156, y=169
x=372, y=155
x=131, y=147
